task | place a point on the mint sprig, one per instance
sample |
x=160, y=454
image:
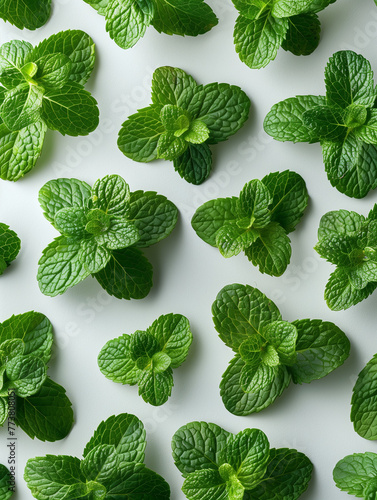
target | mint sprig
x=356, y=475
x=349, y=241
x=270, y=352
x=10, y=245
x=219, y=465
x=41, y=88
x=147, y=358
x=112, y=467
x=30, y=14
x=128, y=20
x=343, y=122
x=182, y=121
x=42, y=408
x=103, y=229
x=263, y=26
x=257, y=222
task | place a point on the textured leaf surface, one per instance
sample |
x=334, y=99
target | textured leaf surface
x=205, y=485
x=341, y=294
x=53, y=70
x=175, y=87
x=303, y=34
x=5, y=479
x=353, y=472
x=339, y=222
x=10, y=245
x=326, y=122
x=26, y=375
x=195, y=164
x=364, y=401
x=21, y=106
x=115, y=362
x=111, y=194
x=30, y=14
x=287, y=8
x=94, y=256
x=254, y=200
x=155, y=388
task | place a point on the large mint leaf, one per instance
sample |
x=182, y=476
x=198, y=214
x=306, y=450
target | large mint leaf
x=125, y=432
x=224, y=109
x=70, y=110
x=153, y=215
x=47, y=415
x=30, y=14
x=183, y=17
x=364, y=401
x=19, y=150
x=287, y=8
x=240, y=311
x=240, y=403
x=26, y=375
x=198, y=445
x=353, y=472
x=111, y=194
x=321, y=348
x=13, y=56
x=206, y=485
x=139, y=135
x=5, y=479
x=326, y=122
x=63, y=193
x=271, y=252
x=349, y=80
x=341, y=294
x=75, y=44
x=339, y=222
x=21, y=106
x=303, y=34
x=289, y=198
x=174, y=86
x=53, y=70
x=60, y=267
x=287, y=476
x=257, y=41
x=195, y=164
x=10, y=245
x=213, y=215
x=115, y=362
x=285, y=122
x=155, y=388
x=128, y=275
x=94, y=256
x=250, y=8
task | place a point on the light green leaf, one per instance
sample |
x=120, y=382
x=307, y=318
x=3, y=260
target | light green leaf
x=258, y=41
x=231, y=239
x=93, y=256
x=100, y=464
x=255, y=378
x=339, y=222
x=53, y=70
x=175, y=119
x=197, y=133
x=287, y=8
x=368, y=131
x=21, y=106
x=250, y=8
x=364, y=401
x=254, y=201
x=195, y=164
x=121, y=234
x=13, y=56
x=26, y=375
x=70, y=110
x=10, y=245
x=282, y=336
x=205, y=485
x=114, y=361
x=60, y=267
x=341, y=294
x=71, y=221
x=96, y=222
x=353, y=472
x=99, y=5
x=170, y=147
x=303, y=34
x=30, y=14
x=175, y=87
x=4, y=408
x=155, y=388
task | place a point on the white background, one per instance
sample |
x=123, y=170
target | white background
x=188, y=273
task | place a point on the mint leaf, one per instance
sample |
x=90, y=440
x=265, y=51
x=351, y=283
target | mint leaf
x=353, y=473
x=285, y=121
x=271, y=252
x=30, y=14
x=99, y=5
x=13, y=55
x=230, y=240
x=257, y=41
x=285, y=8
x=321, y=347
x=21, y=106
x=70, y=110
x=115, y=362
x=5, y=479
x=71, y=221
x=121, y=234
x=254, y=201
x=155, y=388
x=205, y=485
x=256, y=377
x=128, y=275
x=326, y=122
x=339, y=222
x=26, y=375
x=303, y=34
x=195, y=164
x=46, y=415
x=364, y=400
x=170, y=147
x=53, y=70
x=368, y=131
x=283, y=337
x=127, y=20
x=93, y=256
x=100, y=463
x=175, y=87
x=10, y=245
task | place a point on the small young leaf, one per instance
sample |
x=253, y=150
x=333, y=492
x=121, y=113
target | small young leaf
x=121, y=234
x=71, y=221
x=231, y=240
x=93, y=256
x=282, y=336
x=254, y=200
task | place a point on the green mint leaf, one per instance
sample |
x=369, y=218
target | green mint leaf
x=97, y=222
x=127, y=20
x=175, y=119
x=342, y=250
x=349, y=80
x=99, y=5
x=63, y=193
x=155, y=388
x=26, y=375
x=271, y=252
x=288, y=474
x=287, y=8
x=341, y=294
x=93, y=256
x=121, y=234
x=71, y=221
x=213, y=215
x=321, y=348
x=60, y=267
x=175, y=87
x=47, y=415
x=197, y=133
x=250, y=8
x=255, y=378
x=100, y=464
x=326, y=122
x=353, y=473
x=114, y=361
x=11, y=349
x=241, y=311
x=153, y=215
x=13, y=55
x=143, y=345
x=70, y=110
x=303, y=34
x=75, y=44
x=289, y=198
x=240, y=403
x=224, y=109
x=125, y=432
x=21, y=106
x=339, y=222
x=253, y=203
x=195, y=164
x=128, y=275
x=363, y=402
x=190, y=17
x=55, y=477
x=170, y=147
x=5, y=479
x=282, y=336
x=367, y=132
x=231, y=240
x=10, y=245
x=4, y=409
x=257, y=41
x=205, y=485
x=53, y=70
x=30, y=14
x=139, y=135
x=198, y=445
x=19, y=150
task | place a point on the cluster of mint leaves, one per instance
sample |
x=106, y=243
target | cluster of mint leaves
x=344, y=122
x=349, y=241
x=103, y=229
x=364, y=401
x=264, y=26
x=112, y=467
x=270, y=352
x=10, y=245
x=40, y=405
x=5, y=477
x=257, y=222
x=43, y=87
x=128, y=20
x=218, y=465
x=183, y=119
x=357, y=475
x=30, y=14
x=147, y=358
